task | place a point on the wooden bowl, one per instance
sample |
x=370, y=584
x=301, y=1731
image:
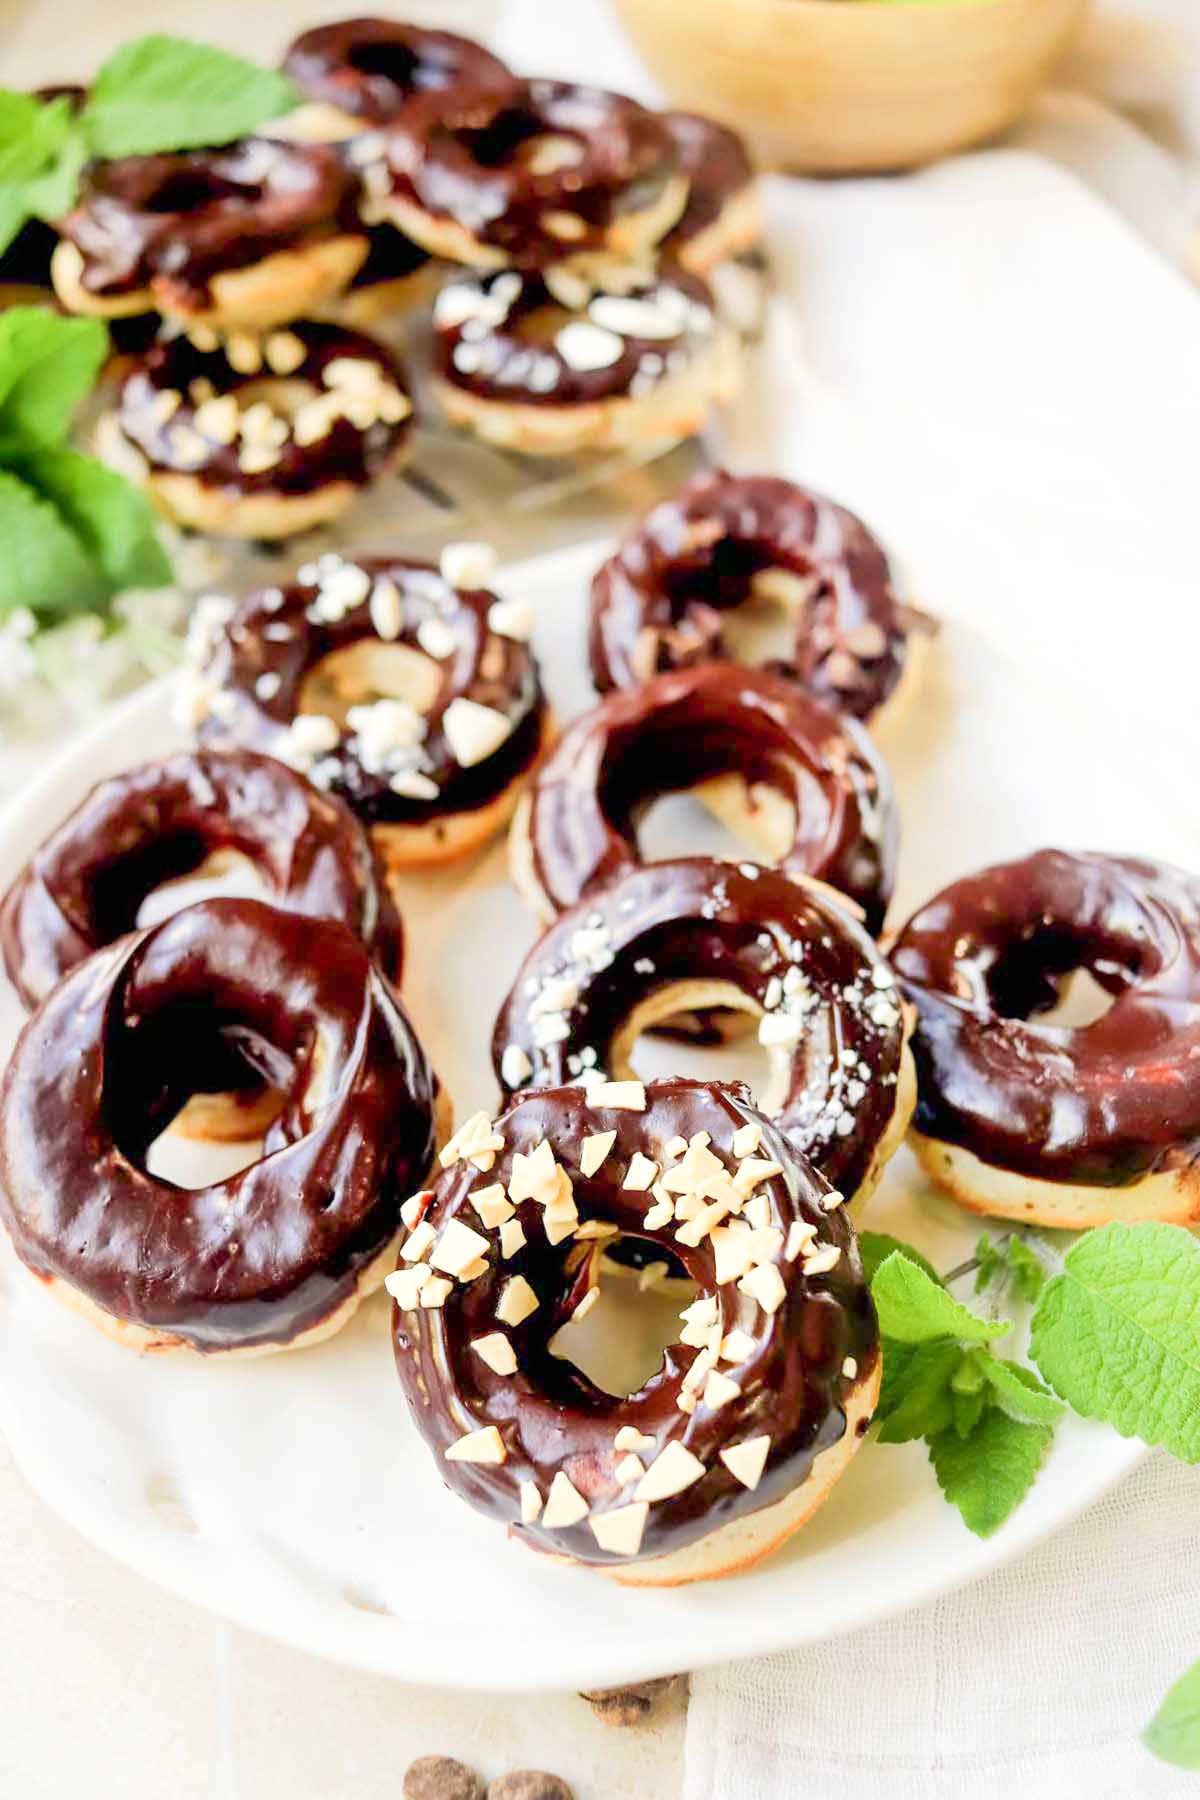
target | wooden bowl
x=853, y=84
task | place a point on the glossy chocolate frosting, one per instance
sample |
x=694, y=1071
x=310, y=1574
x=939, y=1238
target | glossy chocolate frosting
x=659, y=602
x=116, y=1049
x=473, y=159
x=174, y=221
x=689, y=725
x=258, y=664
x=372, y=68
x=177, y=442
x=1101, y=1104
x=796, y=956
x=504, y=336
x=550, y=1416
x=163, y=820
x=718, y=169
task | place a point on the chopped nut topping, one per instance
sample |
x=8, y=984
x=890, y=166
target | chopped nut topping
x=821, y=1261
x=512, y=1238
x=673, y=1470
x=622, y=1096
x=764, y=1283
x=436, y=638
x=758, y=1212
x=531, y=1502
x=475, y=1141
x=630, y=1438
x=733, y=1251
x=419, y=1242
x=747, y=1460
x=458, y=1248
x=386, y=609
x=497, y=1352
x=753, y=1171
x=659, y=1215
x=436, y=1291
x=511, y=619
x=534, y=1175
x=630, y=1468
x=565, y=1505
x=831, y=1202
x=218, y=419
x=674, y=1148
x=284, y=352
x=620, y=1531
x=799, y=1237
x=737, y=1347
x=594, y=1150
x=244, y=353
x=597, y=1228
x=515, y=1067
x=516, y=1302
x=849, y=1368
x=404, y=1285
x=483, y=1446
x=474, y=732
x=746, y=1139
x=640, y=1174
x=492, y=1206
x=719, y=1389
x=413, y=1210
x=468, y=565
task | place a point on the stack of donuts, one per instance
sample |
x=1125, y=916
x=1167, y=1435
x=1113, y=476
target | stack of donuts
x=560, y=238
x=378, y=715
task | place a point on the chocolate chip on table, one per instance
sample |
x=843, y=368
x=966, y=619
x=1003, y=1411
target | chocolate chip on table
x=441, y=1778
x=629, y=1705
x=529, y=1784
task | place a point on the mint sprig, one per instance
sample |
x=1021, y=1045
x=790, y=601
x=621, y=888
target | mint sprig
x=1173, y=1734
x=1117, y=1333
x=74, y=532
x=1010, y=1260
x=154, y=94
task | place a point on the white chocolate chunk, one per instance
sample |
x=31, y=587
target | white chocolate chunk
x=497, y=1352
x=747, y=1460
x=565, y=1505
x=620, y=1531
x=516, y=1302
x=673, y=1470
x=483, y=1446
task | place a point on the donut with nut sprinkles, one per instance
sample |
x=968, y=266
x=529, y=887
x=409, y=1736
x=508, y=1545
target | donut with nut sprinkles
x=1053, y=1123
x=760, y=752
x=309, y=673
x=755, y=1410
x=259, y=437
x=673, y=594
x=165, y=820
x=245, y=237
x=693, y=934
x=278, y=1254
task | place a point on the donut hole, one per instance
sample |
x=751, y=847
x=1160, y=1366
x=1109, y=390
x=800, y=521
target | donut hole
x=368, y=670
x=620, y=1344
x=724, y=817
x=1059, y=977
x=706, y=1030
x=159, y=876
x=764, y=625
x=224, y=872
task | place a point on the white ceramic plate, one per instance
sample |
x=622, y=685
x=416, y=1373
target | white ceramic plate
x=291, y=1493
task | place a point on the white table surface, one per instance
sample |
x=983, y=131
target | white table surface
x=112, y=1687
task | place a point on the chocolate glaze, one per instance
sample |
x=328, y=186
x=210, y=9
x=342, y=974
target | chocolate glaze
x=491, y=338
x=689, y=725
x=172, y=222
x=346, y=452
x=390, y=257
x=112, y=1054
x=658, y=602
x=718, y=169
x=372, y=68
x=281, y=633
x=465, y=160
x=1103, y=1104
x=163, y=820
x=700, y=920
x=551, y=1416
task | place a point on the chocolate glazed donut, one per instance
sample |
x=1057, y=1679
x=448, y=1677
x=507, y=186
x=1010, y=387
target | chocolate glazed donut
x=723, y=215
x=255, y=233
x=430, y=784
x=165, y=820
x=529, y=173
x=753, y=1413
x=282, y=1251
x=1053, y=1124
x=372, y=68
x=662, y=601
x=698, y=933
x=576, y=830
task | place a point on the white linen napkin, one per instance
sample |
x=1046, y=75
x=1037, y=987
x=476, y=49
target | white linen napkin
x=986, y=361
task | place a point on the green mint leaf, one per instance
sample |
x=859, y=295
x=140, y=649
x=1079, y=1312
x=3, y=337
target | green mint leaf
x=991, y=1263
x=1017, y=1391
x=13, y=214
x=1117, y=1333
x=44, y=565
x=115, y=523
x=1173, y=1734
x=987, y=1474
x=1027, y=1269
x=968, y=1408
x=31, y=134
x=875, y=1247
x=52, y=194
x=47, y=365
x=168, y=93
x=916, y=1309
x=915, y=1400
